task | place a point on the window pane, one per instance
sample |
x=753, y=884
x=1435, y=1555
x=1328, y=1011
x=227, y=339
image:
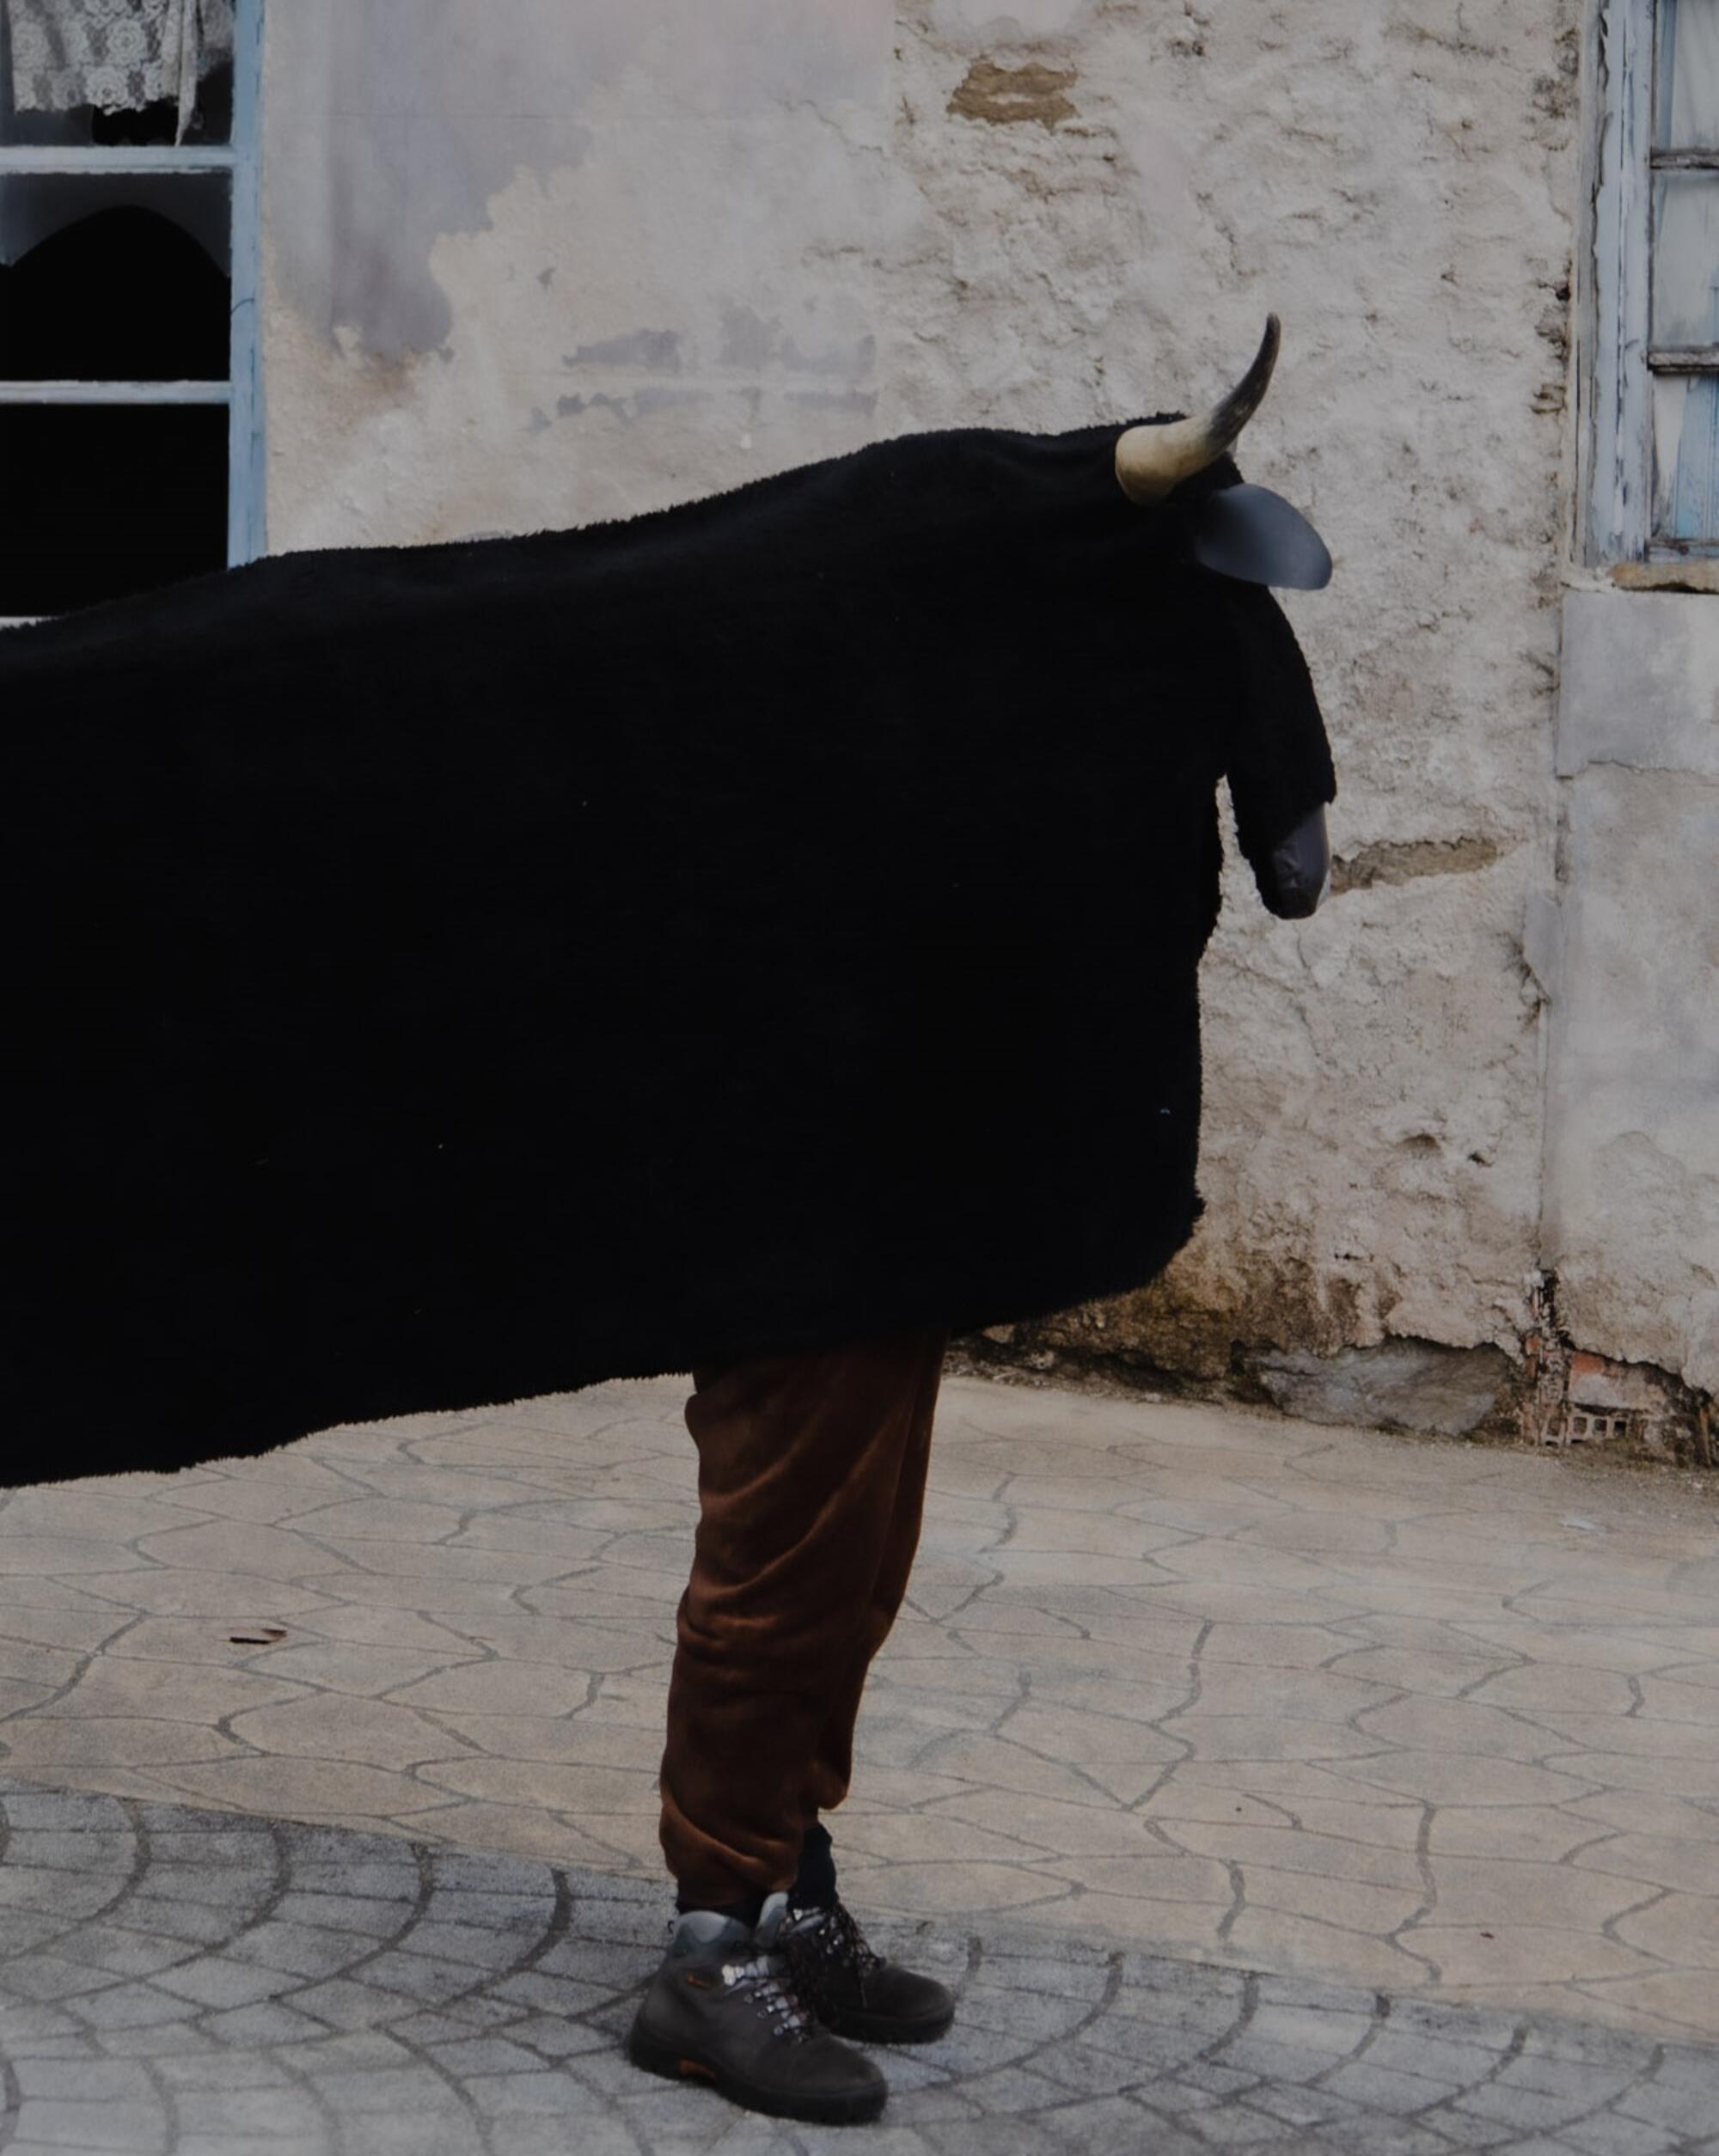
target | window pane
x=1686, y=309
x=65, y=81
x=1686, y=456
x=120, y=279
x=1686, y=87
x=102, y=500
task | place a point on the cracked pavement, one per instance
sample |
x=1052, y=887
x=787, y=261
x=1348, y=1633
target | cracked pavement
x=201, y=1986
x=1414, y=1730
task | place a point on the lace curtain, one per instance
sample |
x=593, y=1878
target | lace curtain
x=116, y=54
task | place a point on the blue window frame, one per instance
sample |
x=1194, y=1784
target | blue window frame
x=85, y=391
x=1649, y=378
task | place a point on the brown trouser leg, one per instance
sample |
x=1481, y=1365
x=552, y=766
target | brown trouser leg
x=811, y=1488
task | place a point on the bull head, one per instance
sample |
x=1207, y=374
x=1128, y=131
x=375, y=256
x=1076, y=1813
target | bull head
x=1256, y=537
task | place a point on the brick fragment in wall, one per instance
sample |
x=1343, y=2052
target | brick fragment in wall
x=1401, y=861
x=1596, y=1381
x=1005, y=95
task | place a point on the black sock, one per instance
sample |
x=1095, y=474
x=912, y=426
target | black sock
x=814, y=1886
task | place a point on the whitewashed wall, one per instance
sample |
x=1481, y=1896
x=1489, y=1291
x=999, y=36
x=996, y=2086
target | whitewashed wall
x=1632, y=1163
x=536, y=262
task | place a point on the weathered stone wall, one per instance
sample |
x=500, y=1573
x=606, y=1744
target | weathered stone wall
x=727, y=240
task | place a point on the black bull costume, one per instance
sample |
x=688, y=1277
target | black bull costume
x=446, y=974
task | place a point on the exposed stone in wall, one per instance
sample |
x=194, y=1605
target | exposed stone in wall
x=1551, y=1393
x=1401, y=1385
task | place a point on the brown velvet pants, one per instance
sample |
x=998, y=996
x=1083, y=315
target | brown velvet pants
x=811, y=1488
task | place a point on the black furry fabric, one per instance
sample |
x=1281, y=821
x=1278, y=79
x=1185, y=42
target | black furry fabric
x=443, y=975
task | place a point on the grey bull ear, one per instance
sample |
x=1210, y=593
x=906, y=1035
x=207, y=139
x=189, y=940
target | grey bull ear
x=1255, y=536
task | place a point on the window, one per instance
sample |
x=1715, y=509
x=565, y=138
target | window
x=1648, y=446
x=1683, y=315
x=130, y=443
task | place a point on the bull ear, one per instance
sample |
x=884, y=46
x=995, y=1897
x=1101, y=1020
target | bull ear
x=1256, y=536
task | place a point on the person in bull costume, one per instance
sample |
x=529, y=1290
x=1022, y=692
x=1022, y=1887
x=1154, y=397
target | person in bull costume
x=758, y=939
x=813, y=1477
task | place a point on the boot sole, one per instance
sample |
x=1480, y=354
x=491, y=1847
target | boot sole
x=875, y=2029
x=674, y=2063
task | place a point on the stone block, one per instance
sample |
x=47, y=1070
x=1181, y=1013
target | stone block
x=1402, y=1385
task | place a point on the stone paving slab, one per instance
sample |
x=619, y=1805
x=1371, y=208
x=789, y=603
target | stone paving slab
x=181, y=1982
x=1431, y=1719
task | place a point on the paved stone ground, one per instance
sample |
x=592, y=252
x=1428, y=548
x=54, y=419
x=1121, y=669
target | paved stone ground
x=1436, y=1720
x=211, y=1985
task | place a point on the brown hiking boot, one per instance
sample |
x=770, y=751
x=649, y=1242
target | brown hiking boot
x=724, y=2008
x=851, y=1988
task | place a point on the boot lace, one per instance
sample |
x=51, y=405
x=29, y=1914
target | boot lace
x=824, y=1946
x=769, y=1983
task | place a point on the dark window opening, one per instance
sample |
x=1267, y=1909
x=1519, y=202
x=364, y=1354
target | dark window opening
x=125, y=294
x=104, y=499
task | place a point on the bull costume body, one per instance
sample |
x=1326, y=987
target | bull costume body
x=759, y=939
x=446, y=974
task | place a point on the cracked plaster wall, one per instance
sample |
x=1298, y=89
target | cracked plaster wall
x=530, y=265
x=1632, y=1166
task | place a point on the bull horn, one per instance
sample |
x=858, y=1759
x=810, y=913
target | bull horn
x=1151, y=460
